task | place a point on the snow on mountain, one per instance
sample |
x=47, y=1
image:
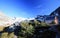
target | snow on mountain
x=19, y=19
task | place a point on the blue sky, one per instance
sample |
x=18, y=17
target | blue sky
x=28, y=8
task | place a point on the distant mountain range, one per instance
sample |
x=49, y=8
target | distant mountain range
x=5, y=20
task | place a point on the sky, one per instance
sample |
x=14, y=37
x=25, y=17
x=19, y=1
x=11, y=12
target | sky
x=28, y=8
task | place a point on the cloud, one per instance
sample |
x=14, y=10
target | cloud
x=44, y=11
x=38, y=6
